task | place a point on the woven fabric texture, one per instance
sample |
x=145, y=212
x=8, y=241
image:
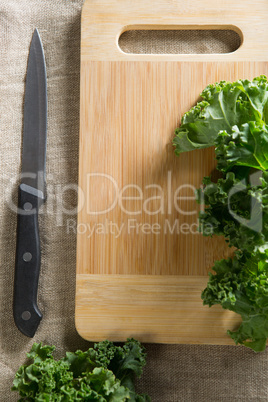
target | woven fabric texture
x=179, y=41
x=174, y=372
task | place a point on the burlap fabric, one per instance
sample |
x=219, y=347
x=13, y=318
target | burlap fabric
x=174, y=372
x=179, y=41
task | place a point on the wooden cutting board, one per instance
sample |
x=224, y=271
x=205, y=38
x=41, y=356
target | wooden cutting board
x=141, y=265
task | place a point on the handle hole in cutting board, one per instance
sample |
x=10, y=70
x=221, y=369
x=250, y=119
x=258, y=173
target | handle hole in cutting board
x=179, y=41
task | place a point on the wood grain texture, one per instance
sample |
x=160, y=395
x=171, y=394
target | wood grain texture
x=129, y=110
x=104, y=21
x=164, y=309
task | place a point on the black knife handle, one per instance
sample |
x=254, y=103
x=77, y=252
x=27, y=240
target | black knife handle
x=27, y=267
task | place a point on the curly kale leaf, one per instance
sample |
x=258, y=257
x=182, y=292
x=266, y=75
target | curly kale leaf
x=236, y=209
x=98, y=385
x=247, y=146
x=234, y=117
x=241, y=285
x=223, y=106
x=126, y=361
x=103, y=373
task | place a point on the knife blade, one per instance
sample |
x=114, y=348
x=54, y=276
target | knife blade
x=31, y=192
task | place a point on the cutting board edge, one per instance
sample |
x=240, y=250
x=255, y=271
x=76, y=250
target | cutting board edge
x=98, y=43
x=154, y=303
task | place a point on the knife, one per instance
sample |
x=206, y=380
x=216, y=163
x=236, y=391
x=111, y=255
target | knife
x=31, y=192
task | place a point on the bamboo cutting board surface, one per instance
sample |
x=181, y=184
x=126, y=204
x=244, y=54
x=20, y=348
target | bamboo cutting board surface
x=141, y=265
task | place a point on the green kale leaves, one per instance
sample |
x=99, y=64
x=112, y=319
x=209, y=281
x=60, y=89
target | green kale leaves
x=236, y=209
x=233, y=117
x=223, y=106
x=247, y=146
x=241, y=285
x=103, y=373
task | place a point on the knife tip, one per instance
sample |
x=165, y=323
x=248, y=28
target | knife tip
x=36, y=38
x=36, y=32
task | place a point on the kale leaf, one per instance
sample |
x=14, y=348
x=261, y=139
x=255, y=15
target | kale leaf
x=103, y=373
x=236, y=209
x=247, y=146
x=234, y=118
x=223, y=106
x=241, y=285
